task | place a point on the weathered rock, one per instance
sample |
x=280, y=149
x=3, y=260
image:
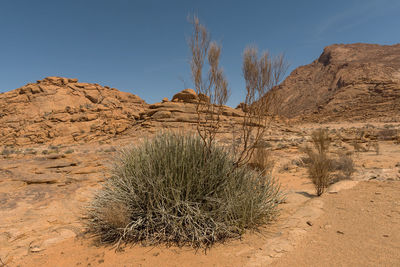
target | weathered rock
x=187, y=96
x=57, y=108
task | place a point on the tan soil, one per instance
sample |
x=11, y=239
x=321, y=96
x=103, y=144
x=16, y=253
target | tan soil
x=42, y=197
x=360, y=227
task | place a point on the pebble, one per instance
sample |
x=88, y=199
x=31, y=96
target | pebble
x=36, y=249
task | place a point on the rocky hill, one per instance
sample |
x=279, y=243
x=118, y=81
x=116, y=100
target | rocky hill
x=60, y=110
x=65, y=110
x=347, y=82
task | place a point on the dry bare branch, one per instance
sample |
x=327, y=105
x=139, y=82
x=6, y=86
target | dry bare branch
x=261, y=74
x=214, y=86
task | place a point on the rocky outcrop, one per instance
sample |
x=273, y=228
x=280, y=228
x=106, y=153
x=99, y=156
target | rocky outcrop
x=65, y=110
x=182, y=109
x=60, y=111
x=347, y=82
x=190, y=96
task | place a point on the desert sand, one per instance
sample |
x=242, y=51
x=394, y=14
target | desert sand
x=357, y=221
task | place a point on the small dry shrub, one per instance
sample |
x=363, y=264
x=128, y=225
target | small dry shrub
x=344, y=165
x=319, y=171
x=262, y=160
x=374, y=145
x=358, y=147
x=318, y=163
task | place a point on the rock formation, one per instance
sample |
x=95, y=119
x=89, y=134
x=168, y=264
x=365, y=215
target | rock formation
x=61, y=110
x=182, y=109
x=65, y=110
x=347, y=82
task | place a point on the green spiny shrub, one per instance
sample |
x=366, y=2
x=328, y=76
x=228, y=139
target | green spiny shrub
x=171, y=190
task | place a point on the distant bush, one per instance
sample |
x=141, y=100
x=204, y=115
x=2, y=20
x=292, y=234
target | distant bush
x=69, y=151
x=318, y=163
x=262, y=160
x=344, y=164
x=358, y=147
x=172, y=190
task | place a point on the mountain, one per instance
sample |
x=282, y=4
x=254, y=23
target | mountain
x=347, y=82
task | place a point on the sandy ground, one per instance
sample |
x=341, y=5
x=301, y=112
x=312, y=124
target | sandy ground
x=357, y=224
x=360, y=227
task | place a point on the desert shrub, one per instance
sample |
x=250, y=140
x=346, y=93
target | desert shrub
x=319, y=171
x=171, y=190
x=373, y=145
x=262, y=160
x=344, y=165
x=318, y=163
x=358, y=147
x=69, y=151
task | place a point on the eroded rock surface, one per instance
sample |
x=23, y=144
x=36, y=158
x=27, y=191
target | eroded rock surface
x=347, y=82
x=64, y=110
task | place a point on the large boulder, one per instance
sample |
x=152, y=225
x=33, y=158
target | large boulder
x=187, y=96
x=190, y=96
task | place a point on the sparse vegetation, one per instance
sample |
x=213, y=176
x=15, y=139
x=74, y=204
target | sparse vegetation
x=165, y=191
x=69, y=151
x=262, y=160
x=323, y=169
x=213, y=89
x=344, y=164
x=373, y=145
x=318, y=162
x=30, y=151
x=261, y=73
x=358, y=147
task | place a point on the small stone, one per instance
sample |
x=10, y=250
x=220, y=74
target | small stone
x=55, y=156
x=36, y=249
x=385, y=235
x=340, y=232
x=309, y=223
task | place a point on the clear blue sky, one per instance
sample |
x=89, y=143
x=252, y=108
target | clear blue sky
x=140, y=46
